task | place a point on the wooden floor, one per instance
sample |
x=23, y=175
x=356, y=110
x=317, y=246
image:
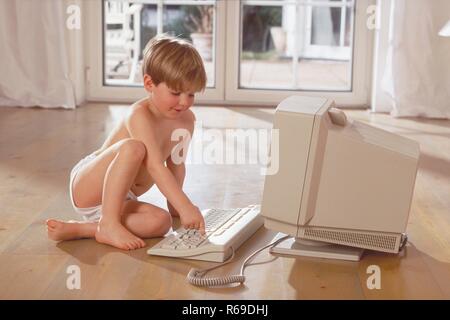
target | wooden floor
x=39, y=147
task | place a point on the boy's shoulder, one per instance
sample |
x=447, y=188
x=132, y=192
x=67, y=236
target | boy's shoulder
x=139, y=106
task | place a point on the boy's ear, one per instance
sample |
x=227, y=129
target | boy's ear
x=148, y=83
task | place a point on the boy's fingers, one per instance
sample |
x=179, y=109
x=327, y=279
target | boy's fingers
x=202, y=227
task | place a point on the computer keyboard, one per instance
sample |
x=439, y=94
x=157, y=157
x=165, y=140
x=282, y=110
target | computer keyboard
x=225, y=228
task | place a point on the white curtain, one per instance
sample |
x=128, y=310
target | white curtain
x=417, y=71
x=34, y=59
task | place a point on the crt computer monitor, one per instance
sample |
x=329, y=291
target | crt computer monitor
x=339, y=182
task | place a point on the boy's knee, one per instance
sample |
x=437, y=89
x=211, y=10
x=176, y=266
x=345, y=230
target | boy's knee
x=133, y=149
x=164, y=223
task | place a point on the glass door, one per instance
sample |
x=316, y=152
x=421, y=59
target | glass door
x=116, y=45
x=329, y=30
x=255, y=51
x=306, y=47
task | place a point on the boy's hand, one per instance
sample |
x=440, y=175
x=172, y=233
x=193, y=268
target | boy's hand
x=191, y=218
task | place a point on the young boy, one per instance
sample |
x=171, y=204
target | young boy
x=105, y=185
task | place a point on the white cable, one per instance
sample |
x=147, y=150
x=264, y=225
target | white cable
x=195, y=276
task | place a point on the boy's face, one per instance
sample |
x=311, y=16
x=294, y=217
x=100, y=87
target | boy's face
x=169, y=102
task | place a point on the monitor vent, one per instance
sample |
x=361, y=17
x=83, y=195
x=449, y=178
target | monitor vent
x=373, y=241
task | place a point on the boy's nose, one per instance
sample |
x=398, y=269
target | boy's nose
x=184, y=102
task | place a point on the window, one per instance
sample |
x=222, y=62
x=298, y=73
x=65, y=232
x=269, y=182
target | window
x=128, y=26
x=304, y=45
x=255, y=51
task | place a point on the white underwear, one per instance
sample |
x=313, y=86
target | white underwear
x=92, y=213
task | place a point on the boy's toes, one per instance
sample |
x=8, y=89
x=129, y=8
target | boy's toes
x=132, y=245
x=52, y=223
x=137, y=245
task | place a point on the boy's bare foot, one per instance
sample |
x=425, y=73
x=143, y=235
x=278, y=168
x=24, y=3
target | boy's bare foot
x=117, y=236
x=59, y=230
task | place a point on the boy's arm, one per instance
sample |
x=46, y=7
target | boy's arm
x=179, y=172
x=139, y=126
x=176, y=161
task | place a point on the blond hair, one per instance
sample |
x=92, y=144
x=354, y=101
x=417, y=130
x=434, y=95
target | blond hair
x=175, y=62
